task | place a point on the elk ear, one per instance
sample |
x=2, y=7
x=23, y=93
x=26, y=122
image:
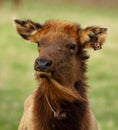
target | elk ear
x=27, y=29
x=92, y=37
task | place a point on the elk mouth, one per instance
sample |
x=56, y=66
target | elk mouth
x=43, y=74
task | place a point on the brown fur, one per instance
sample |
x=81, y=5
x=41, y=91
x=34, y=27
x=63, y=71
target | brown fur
x=61, y=101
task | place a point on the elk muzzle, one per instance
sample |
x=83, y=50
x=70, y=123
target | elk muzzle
x=42, y=65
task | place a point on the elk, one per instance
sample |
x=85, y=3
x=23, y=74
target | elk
x=60, y=102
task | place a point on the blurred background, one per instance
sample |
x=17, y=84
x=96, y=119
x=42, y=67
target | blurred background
x=17, y=56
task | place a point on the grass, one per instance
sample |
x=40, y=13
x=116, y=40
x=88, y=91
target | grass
x=16, y=61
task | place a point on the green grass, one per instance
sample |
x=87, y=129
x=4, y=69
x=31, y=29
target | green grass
x=17, y=57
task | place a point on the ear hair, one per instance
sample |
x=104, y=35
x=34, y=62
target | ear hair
x=92, y=37
x=27, y=29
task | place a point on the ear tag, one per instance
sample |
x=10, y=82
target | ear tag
x=96, y=46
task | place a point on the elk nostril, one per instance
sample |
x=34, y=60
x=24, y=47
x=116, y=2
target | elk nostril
x=48, y=63
x=43, y=65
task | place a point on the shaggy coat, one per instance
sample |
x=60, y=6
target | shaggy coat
x=60, y=102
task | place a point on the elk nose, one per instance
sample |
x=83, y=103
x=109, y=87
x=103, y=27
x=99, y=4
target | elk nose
x=43, y=65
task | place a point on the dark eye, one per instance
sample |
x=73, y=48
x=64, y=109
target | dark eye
x=72, y=46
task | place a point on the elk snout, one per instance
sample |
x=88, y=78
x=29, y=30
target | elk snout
x=42, y=64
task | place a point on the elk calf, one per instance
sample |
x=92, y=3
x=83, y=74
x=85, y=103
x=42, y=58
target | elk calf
x=60, y=102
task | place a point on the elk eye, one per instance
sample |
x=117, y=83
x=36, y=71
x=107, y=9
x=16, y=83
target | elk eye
x=72, y=46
